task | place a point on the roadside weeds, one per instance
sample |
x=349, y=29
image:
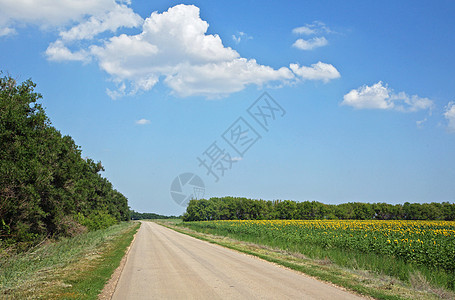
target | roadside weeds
x=73, y=268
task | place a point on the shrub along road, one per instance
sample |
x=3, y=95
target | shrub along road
x=165, y=264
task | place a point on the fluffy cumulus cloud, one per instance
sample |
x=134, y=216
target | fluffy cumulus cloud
x=449, y=114
x=316, y=28
x=369, y=97
x=310, y=44
x=380, y=96
x=318, y=71
x=173, y=45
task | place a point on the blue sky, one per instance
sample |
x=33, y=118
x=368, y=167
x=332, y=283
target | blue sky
x=367, y=91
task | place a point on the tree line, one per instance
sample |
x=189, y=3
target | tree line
x=46, y=188
x=235, y=208
x=148, y=216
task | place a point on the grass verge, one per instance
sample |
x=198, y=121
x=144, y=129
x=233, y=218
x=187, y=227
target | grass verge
x=72, y=268
x=356, y=279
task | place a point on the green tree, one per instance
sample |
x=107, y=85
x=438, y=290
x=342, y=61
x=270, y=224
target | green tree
x=45, y=184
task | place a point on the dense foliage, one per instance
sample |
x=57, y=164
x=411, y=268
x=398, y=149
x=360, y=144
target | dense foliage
x=148, y=216
x=231, y=208
x=421, y=243
x=46, y=187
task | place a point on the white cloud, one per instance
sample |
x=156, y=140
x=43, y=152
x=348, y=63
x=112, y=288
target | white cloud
x=120, y=92
x=449, y=114
x=91, y=16
x=406, y=103
x=318, y=71
x=7, y=31
x=57, y=51
x=421, y=122
x=369, y=97
x=241, y=36
x=173, y=45
x=142, y=122
x=219, y=79
x=119, y=16
x=316, y=27
x=310, y=44
x=50, y=12
x=304, y=30
x=379, y=96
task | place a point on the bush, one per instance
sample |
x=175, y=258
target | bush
x=96, y=220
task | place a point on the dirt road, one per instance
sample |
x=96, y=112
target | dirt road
x=164, y=264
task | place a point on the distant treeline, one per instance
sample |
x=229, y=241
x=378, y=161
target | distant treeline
x=231, y=208
x=46, y=188
x=143, y=216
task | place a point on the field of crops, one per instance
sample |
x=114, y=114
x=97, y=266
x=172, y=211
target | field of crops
x=429, y=243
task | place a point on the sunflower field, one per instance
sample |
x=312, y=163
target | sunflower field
x=429, y=243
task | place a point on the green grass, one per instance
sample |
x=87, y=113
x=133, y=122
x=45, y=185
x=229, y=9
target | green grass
x=71, y=268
